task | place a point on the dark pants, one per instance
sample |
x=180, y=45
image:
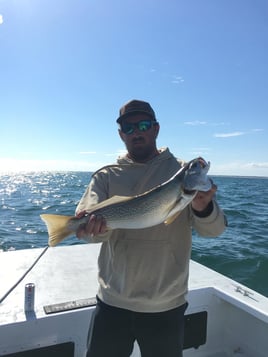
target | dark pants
x=113, y=332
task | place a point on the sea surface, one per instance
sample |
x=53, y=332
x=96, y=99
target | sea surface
x=241, y=252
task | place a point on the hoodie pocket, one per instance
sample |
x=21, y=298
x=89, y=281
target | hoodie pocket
x=145, y=269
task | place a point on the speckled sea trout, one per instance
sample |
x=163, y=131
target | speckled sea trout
x=162, y=204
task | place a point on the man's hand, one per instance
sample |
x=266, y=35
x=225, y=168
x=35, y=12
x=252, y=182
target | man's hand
x=202, y=200
x=95, y=225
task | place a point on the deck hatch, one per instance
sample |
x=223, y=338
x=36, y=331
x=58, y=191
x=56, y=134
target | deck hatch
x=195, y=333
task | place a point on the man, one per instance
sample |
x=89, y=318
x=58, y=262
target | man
x=143, y=273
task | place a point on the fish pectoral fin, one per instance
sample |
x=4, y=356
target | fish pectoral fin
x=57, y=227
x=181, y=203
x=110, y=201
x=172, y=218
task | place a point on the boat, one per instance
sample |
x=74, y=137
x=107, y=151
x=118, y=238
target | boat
x=224, y=318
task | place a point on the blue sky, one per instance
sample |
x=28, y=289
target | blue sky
x=67, y=66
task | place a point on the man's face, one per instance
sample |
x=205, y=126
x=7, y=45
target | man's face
x=141, y=142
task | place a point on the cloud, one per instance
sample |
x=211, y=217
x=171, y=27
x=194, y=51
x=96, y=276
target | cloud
x=229, y=135
x=1, y=19
x=87, y=152
x=236, y=133
x=203, y=122
x=195, y=123
x=177, y=80
x=200, y=151
x=258, y=165
x=257, y=130
x=240, y=169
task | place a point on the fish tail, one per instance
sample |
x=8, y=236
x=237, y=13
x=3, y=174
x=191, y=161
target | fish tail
x=58, y=228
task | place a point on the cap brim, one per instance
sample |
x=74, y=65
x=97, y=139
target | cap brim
x=124, y=116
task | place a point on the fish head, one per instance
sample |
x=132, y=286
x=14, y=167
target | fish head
x=195, y=177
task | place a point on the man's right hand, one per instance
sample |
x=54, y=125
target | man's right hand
x=95, y=225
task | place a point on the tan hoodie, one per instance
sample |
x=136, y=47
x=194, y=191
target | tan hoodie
x=145, y=270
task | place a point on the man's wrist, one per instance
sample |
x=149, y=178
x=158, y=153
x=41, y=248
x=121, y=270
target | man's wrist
x=206, y=212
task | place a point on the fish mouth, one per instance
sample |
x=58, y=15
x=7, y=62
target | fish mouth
x=200, y=161
x=195, y=178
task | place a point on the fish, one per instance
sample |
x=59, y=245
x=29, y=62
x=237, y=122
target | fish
x=161, y=204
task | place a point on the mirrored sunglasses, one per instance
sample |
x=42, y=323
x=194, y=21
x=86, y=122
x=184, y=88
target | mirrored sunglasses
x=143, y=125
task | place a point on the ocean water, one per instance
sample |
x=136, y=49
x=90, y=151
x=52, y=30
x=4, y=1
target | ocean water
x=241, y=252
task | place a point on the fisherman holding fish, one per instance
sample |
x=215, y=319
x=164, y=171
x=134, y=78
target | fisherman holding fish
x=142, y=209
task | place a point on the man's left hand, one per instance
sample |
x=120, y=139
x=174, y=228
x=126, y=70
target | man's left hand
x=202, y=199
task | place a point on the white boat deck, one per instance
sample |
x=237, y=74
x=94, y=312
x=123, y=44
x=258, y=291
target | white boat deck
x=237, y=316
x=62, y=274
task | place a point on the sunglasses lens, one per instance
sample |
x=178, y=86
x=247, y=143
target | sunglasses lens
x=127, y=128
x=144, y=125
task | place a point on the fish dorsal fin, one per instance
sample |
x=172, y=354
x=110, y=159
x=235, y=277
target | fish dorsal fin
x=171, y=219
x=110, y=201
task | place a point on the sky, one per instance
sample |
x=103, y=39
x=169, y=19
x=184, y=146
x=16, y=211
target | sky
x=67, y=66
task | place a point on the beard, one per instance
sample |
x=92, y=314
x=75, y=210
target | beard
x=141, y=151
